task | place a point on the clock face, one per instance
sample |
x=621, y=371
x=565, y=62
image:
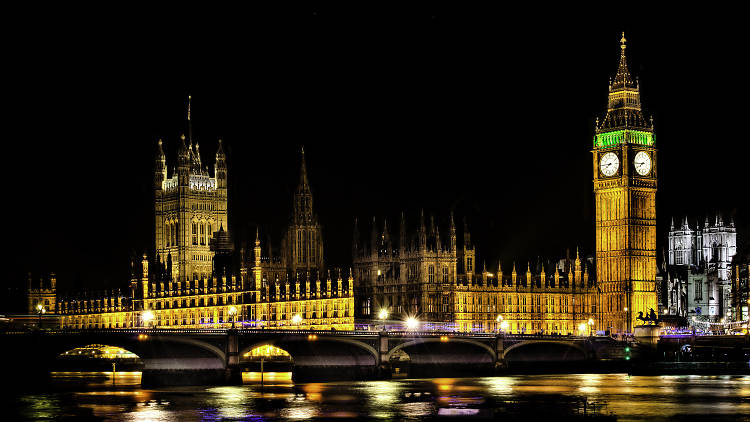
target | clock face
x=609, y=164
x=642, y=163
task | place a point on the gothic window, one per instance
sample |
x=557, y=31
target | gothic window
x=698, y=289
x=445, y=273
x=175, y=230
x=195, y=233
x=299, y=247
x=469, y=266
x=202, y=234
x=431, y=273
x=209, y=231
x=167, y=234
x=312, y=247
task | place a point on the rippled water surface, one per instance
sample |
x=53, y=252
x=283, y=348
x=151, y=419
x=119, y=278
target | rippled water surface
x=75, y=396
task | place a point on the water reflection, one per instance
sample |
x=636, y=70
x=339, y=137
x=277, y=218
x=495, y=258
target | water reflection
x=553, y=397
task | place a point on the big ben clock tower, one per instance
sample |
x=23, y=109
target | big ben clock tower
x=625, y=177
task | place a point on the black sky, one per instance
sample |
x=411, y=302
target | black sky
x=487, y=112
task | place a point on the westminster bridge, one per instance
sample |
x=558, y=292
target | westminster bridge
x=201, y=356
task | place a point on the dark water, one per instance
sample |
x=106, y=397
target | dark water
x=73, y=396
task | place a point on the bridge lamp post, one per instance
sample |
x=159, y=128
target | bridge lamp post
x=40, y=310
x=147, y=317
x=232, y=313
x=582, y=328
x=499, y=321
x=382, y=316
x=504, y=326
x=591, y=326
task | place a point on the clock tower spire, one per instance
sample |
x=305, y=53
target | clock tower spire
x=625, y=182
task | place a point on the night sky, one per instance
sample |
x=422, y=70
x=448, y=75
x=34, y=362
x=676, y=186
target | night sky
x=486, y=112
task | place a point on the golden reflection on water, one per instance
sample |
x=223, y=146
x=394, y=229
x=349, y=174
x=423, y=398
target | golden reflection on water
x=636, y=397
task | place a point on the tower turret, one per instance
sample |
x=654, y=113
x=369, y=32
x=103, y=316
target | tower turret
x=422, y=232
x=452, y=231
x=160, y=167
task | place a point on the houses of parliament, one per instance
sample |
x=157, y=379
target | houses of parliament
x=424, y=271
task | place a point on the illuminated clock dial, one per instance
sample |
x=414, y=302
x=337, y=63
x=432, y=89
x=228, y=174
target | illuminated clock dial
x=609, y=164
x=642, y=163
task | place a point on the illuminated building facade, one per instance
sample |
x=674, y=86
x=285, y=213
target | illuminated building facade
x=189, y=207
x=418, y=277
x=697, y=278
x=625, y=181
x=44, y=294
x=438, y=283
x=552, y=299
x=190, y=282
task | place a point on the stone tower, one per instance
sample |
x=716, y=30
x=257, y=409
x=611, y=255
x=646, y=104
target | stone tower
x=625, y=179
x=189, y=207
x=304, y=241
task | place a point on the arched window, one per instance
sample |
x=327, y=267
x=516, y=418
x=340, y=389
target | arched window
x=445, y=274
x=195, y=233
x=202, y=234
x=431, y=273
x=209, y=231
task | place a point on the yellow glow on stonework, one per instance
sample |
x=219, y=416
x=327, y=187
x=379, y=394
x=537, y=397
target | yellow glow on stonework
x=266, y=351
x=100, y=351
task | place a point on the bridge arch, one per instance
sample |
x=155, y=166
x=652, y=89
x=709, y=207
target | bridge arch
x=410, y=343
x=285, y=343
x=537, y=344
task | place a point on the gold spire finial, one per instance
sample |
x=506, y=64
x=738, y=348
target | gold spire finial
x=622, y=42
x=188, y=111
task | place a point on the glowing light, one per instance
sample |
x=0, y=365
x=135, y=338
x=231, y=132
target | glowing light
x=312, y=337
x=666, y=311
x=383, y=314
x=232, y=311
x=591, y=321
x=296, y=319
x=499, y=318
x=147, y=316
x=504, y=325
x=412, y=323
x=444, y=339
x=582, y=327
x=626, y=309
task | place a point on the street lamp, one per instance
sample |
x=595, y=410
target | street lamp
x=412, y=323
x=591, y=326
x=382, y=316
x=40, y=310
x=499, y=320
x=147, y=317
x=504, y=326
x=582, y=328
x=232, y=313
x=297, y=319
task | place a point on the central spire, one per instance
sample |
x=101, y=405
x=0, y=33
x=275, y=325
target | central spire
x=623, y=78
x=304, y=185
x=624, y=105
x=189, y=123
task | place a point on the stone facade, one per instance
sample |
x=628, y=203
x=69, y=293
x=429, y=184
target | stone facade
x=696, y=279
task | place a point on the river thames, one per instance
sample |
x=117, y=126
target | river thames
x=93, y=396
